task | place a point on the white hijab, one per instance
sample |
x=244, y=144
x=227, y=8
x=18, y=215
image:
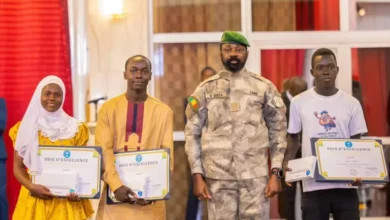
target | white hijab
x=54, y=125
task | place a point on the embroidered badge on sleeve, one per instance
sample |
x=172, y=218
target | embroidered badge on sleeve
x=193, y=103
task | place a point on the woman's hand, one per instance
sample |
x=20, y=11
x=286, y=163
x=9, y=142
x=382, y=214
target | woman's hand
x=73, y=197
x=40, y=192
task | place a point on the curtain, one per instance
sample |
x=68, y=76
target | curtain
x=34, y=43
x=278, y=65
x=327, y=15
x=271, y=15
x=304, y=15
x=374, y=74
x=196, y=15
x=179, y=73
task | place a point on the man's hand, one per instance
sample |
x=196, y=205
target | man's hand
x=274, y=187
x=286, y=169
x=357, y=182
x=200, y=188
x=40, y=192
x=143, y=202
x=122, y=194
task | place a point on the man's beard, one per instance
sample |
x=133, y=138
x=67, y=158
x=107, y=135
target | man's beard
x=234, y=67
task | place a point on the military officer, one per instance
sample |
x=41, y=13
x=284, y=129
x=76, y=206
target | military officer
x=234, y=119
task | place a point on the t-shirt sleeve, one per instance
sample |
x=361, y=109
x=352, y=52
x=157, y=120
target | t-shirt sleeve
x=357, y=125
x=295, y=123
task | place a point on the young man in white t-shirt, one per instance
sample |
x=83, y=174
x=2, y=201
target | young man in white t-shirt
x=325, y=112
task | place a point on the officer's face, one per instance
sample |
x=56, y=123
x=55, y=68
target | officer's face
x=233, y=56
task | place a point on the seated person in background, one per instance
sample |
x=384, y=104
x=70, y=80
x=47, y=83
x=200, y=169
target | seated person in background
x=46, y=123
x=206, y=73
x=297, y=85
x=286, y=85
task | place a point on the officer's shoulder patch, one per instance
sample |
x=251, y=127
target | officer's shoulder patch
x=215, y=77
x=257, y=76
x=193, y=103
x=277, y=101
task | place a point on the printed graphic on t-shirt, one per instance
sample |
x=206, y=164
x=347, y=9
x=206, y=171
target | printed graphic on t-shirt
x=326, y=120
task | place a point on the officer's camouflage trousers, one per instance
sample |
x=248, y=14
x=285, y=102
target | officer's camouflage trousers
x=238, y=199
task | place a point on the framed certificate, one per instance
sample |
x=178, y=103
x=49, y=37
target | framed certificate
x=347, y=159
x=70, y=169
x=145, y=172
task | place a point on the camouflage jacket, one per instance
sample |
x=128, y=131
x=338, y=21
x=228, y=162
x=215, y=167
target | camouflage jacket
x=233, y=119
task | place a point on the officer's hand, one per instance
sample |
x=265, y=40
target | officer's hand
x=200, y=188
x=274, y=187
x=122, y=194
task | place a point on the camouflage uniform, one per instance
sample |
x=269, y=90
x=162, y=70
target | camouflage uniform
x=233, y=119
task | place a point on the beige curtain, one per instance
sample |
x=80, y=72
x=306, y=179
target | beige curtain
x=179, y=73
x=273, y=15
x=196, y=15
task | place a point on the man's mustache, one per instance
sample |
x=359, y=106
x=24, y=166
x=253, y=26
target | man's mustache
x=233, y=59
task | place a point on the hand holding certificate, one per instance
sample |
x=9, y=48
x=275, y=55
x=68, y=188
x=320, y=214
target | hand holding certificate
x=349, y=159
x=146, y=173
x=68, y=170
x=301, y=169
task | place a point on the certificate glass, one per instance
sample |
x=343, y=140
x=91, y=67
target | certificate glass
x=70, y=169
x=348, y=159
x=146, y=172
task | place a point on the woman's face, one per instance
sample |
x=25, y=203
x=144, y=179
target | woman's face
x=51, y=97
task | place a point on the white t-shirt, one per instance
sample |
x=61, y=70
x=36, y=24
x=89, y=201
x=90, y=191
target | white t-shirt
x=336, y=116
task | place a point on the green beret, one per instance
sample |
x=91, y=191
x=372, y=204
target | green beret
x=233, y=37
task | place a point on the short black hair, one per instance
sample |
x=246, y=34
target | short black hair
x=322, y=52
x=135, y=56
x=205, y=69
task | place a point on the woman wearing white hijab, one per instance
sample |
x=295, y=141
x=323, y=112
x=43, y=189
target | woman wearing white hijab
x=46, y=123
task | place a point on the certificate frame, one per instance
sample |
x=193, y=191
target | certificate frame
x=96, y=153
x=322, y=176
x=165, y=194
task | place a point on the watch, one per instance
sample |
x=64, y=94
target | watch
x=278, y=172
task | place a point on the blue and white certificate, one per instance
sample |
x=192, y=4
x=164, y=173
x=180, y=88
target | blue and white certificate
x=348, y=159
x=145, y=172
x=70, y=170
